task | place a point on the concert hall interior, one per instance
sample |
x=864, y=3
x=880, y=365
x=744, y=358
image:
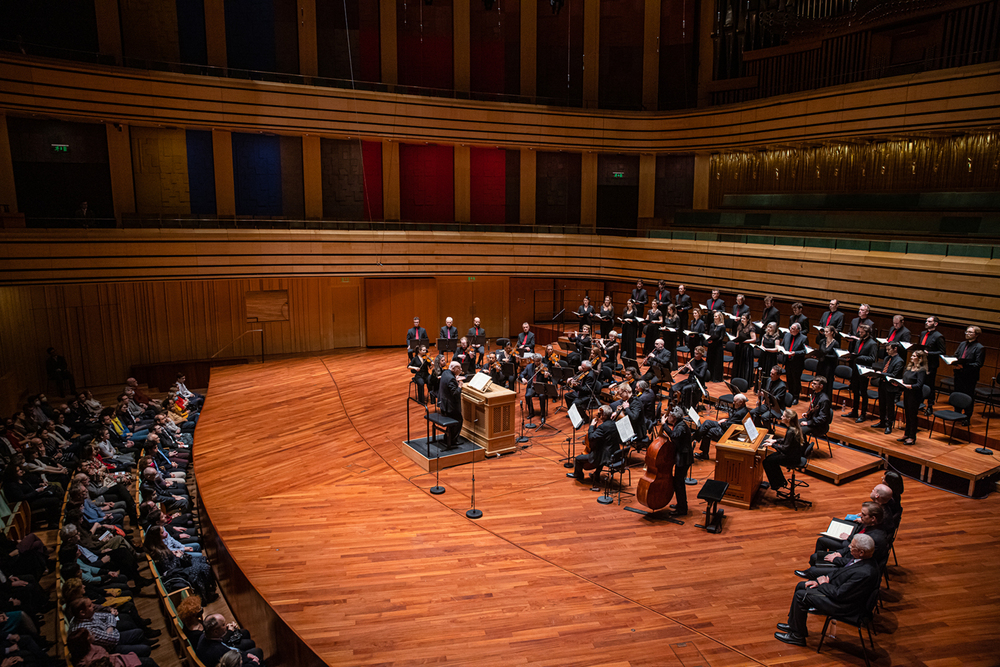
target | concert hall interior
x=244, y=205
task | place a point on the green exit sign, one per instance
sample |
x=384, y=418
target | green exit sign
x=60, y=148
x=618, y=174
x=472, y=279
x=345, y=280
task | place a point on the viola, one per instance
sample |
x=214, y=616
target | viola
x=656, y=487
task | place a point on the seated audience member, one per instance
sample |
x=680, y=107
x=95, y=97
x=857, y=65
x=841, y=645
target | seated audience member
x=843, y=591
x=84, y=652
x=211, y=647
x=40, y=496
x=190, y=612
x=167, y=495
x=175, y=563
x=110, y=630
x=870, y=521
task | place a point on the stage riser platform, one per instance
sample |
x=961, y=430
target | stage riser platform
x=467, y=452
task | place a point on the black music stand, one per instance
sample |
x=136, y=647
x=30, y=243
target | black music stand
x=507, y=369
x=551, y=392
x=712, y=491
x=559, y=375
x=446, y=346
x=476, y=342
x=413, y=345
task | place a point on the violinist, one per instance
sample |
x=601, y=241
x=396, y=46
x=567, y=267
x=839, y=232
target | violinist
x=658, y=358
x=604, y=441
x=506, y=356
x=607, y=317
x=552, y=357
x=494, y=369
x=711, y=430
x=434, y=376
x=770, y=398
x=464, y=356
x=675, y=428
x=535, y=372
x=420, y=366
x=585, y=388
x=585, y=312
x=688, y=389
x=631, y=377
x=645, y=406
x=477, y=330
x=654, y=320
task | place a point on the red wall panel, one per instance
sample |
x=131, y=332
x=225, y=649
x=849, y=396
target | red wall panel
x=489, y=185
x=426, y=183
x=425, y=52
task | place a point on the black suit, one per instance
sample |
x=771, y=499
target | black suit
x=888, y=393
x=872, y=329
x=819, y=415
x=529, y=393
x=802, y=321
x=448, y=332
x=689, y=391
x=639, y=298
x=586, y=394
x=833, y=319
x=683, y=458
x=716, y=304
x=770, y=409
x=450, y=405
x=794, y=362
x=604, y=441
x=770, y=315
x=661, y=359
x=825, y=545
x=682, y=303
x=586, y=314
x=863, y=352
x=416, y=333
x=932, y=342
x=480, y=350
x=970, y=358
x=849, y=588
x=711, y=430
x=525, y=342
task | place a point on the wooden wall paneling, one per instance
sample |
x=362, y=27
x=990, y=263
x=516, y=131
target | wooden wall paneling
x=490, y=299
x=343, y=304
x=120, y=164
x=378, y=331
x=8, y=192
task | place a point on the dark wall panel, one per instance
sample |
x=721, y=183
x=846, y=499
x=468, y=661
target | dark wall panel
x=359, y=27
x=63, y=26
x=250, y=42
x=678, y=87
x=425, y=48
x=343, y=180
x=371, y=153
x=201, y=171
x=557, y=194
x=52, y=184
x=293, y=203
x=191, y=33
x=618, y=191
x=426, y=183
x=494, y=49
x=286, y=36
x=674, y=184
x=560, y=51
x=257, y=174
x=620, y=66
x=488, y=185
x=513, y=166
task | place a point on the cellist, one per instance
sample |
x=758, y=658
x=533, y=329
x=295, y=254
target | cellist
x=677, y=430
x=604, y=441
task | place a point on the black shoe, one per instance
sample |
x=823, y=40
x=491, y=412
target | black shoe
x=964, y=422
x=569, y=474
x=878, y=425
x=701, y=456
x=928, y=412
x=795, y=401
x=888, y=430
x=680, y=511
x=860, y=420
x=852, y=415
x=800, y=573
x=152, y=633
x=790, y=638
x=765, y=485
x=901, y=439
x=784, y=627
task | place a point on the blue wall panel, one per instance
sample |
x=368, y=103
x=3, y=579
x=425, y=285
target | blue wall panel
x=257, y=174
x=201, y=171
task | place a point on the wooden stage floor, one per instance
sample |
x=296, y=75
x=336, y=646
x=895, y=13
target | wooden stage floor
x=318, y=512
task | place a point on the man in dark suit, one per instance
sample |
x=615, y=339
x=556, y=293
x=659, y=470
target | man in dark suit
x=587, y=389
x=711, y=430
x=863, y=352
x=798, y=318
x=662, y=294
x=450, y=401
x=689, y=389
x=639, y=297
x=841, y=592
x=449, y=331
x=645, y=400
x=525, y=340
x=770, y=399
x=898, y=333
x=740, y=308
x=416, y=332
x=932, y=342
x=831, y=318
x=716, y=302
x=604, y=441
x=658, y=358
x=832, y=552
x=970, y=357
x=211, y=646
x=794, y=344
x=477, y=330
x=819, y=416
x=682, y=302
x=674, y=425
x=863, y=318
x=888, y=393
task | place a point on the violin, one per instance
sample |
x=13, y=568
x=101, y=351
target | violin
x=554, y=358
x=656, y=487
x=577, y=380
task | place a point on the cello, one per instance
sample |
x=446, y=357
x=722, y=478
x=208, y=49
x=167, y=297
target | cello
x=656, y=487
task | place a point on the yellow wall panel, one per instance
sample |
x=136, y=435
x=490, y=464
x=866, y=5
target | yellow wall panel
x=159, y=163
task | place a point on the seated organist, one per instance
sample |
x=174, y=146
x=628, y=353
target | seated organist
x=787, y=450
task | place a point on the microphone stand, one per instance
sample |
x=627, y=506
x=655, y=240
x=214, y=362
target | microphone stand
x=437, y=489
x=986, y=438
x=474, y=513
x=569, y=457
x=523, y=437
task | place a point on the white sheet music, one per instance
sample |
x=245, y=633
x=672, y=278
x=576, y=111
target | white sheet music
x=864, y=370
x=480, y=381
x=751, y=429
x=759, y=325
x=731, y=336
x=841, y=353
x=624, y=426
x=948, y=360
x=575, y=417
x=838, y=528
x=693, y=414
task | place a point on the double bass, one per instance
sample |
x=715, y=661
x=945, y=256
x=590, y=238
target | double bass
x=656, y=487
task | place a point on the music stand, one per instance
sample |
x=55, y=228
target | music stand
x=476, y=342
x=446, y=346
x=551, y=392
x=413, y=345
x=559, y=375
x=507, y=368
x=712, y=492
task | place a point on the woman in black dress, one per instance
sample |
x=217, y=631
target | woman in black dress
x=420, y=366
x=743, y=358
x=697, y=326
x=654, y=320
x=671, y=321
x=913, y=393
x=607, y=317
x=787, y=450
x=769, y=351
x=826, y=356
x=717, y=346
x=629, y=328
x=586, y=312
